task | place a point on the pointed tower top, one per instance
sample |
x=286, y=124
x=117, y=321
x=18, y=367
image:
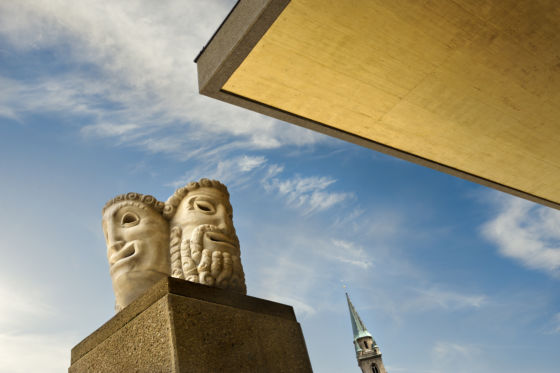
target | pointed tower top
x=367, y=351
x=358, y=326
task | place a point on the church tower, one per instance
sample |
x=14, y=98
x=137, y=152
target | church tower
x=367, y=351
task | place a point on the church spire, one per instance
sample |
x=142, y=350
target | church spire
x=358, y=326
x=367, y=351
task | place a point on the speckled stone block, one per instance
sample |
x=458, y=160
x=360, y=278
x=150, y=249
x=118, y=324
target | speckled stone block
x=179, y=326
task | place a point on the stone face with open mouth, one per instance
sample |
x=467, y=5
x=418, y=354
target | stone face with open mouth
x=206, y=206
x=137, y=248
x=209, y=248
x=191, y=237
x=122, y=257
x=211, y=238
x=219, y=242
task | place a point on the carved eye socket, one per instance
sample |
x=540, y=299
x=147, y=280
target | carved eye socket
x=130, y=219
x=204, y=206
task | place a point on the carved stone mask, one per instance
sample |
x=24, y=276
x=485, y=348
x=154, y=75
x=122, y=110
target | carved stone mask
x=203, y=245
x=207, y=207
x=137, y=239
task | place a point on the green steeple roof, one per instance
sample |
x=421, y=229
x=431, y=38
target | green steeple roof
x=358, y=326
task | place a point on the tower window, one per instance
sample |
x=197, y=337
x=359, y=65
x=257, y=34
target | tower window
x=374, y=368
x=365, y=344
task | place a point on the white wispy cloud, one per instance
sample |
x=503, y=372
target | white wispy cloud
x=9, y=90
x=398, y=297
x=131, y=74
x=308, y=193
x=247, y=164
x=109, y=129
x=555, y=324
x=342, y=251
x=232, y=170
x=435, y=298
x=290, y=281
x=374, y=223
x=272, y=171
x=235, y=172
x=302, y=268
x=451, y=352
x=526, y=232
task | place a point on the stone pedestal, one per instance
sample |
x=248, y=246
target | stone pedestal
x=179, y=326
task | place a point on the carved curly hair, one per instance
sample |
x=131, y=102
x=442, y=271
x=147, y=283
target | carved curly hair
x=144, y=199
x=173, y=201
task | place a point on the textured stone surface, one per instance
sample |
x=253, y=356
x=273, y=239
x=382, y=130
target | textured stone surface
x=228, y=298
x=137, y=238
x=143, y=345
x=120, y=319
x=204, y=247
x=191, y=237
x=226, y=339
x=180, y=326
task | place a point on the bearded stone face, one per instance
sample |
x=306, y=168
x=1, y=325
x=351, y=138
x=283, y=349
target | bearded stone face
x=208, y=206
x=209, y=247
x=137, y=240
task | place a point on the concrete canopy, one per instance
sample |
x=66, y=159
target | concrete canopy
x=469, y=87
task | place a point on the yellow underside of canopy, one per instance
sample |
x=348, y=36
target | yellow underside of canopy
x=473, y=84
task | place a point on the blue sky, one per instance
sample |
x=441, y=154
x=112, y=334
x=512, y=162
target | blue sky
x=99, y=98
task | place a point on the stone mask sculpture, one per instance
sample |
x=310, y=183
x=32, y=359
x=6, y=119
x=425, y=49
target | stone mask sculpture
x=191, y=237
x=204, y=247
x=137, y=237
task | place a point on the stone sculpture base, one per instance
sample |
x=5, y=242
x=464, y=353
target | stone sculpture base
x=180, y=326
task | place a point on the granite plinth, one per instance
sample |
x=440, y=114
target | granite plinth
x=179, y=326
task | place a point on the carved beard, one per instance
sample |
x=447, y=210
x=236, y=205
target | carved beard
x=214, y=268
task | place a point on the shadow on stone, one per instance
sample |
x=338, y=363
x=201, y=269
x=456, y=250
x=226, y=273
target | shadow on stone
x=180, y=326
